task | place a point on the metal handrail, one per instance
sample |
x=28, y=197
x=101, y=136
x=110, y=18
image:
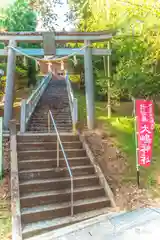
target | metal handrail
x=72, y=102
x=70, y=90
x=28, y=105
x=59, y=143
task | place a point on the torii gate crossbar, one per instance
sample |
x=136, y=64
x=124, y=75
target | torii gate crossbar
x=60, y=37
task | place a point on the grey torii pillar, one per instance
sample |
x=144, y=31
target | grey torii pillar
x=9, y=90
x=89, y=85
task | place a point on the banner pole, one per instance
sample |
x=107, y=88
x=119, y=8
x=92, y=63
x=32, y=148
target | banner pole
x=136, y=143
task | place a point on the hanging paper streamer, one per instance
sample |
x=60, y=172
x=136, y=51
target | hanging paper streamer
x=62, y=65
x=24, y=61
x=49, y=67
x=37, y=65
x=75, y=60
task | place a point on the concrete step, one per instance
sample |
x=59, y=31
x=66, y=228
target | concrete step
x=47, y=154
x=55, y=95
x=45, y=129
x=55, y=173
x=45, y=120
x=51, y=163
x=40, y=227
x=46, y=138
x=53, y=102
x=31, y=186
x=47, y=212
x=49, y=197
x=60, y=114
x=57, y=118
x=47, y=145
x=55, y=110
x=45, y=124
x=63, y=112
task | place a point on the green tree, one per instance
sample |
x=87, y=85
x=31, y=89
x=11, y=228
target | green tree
x=18, y=17
x=47, y=12
x=135, y=47
x=31, y=72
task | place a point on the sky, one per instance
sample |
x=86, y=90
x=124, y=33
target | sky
x=4, y=3
x=60, y=10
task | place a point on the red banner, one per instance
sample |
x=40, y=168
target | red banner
x=145, y=126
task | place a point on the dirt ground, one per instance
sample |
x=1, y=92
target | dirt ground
x=5, y=191
x=114, y=165
x=5, y=208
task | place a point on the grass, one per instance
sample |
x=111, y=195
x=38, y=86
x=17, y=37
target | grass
x=120, y=127
x=5, y=220
x=75, y=78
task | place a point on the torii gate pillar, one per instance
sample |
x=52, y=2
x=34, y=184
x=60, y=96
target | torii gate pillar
x=9, y=90
x=89, y=85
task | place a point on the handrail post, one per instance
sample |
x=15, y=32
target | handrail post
x=59, y=145
x=72, y=211
x=57, y=153
x=73, y=104
x=23, y=116
x=49, y=123
x=75, y=114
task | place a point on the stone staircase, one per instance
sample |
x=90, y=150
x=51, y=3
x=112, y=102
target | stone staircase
x=45, y=191
x=55, y=98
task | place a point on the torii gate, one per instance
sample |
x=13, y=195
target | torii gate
x=57, y=37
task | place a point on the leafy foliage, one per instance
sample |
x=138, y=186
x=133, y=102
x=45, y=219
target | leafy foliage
x=20, y=77
x=135, y=48
x=18, y=17
x=47, y=12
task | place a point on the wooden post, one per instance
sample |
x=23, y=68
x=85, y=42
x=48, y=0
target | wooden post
x=15, y=198
x=9, y=90
x=136, y=142
x=109, y=78
x=107, y=75
x=89, y=85
x=108, y=63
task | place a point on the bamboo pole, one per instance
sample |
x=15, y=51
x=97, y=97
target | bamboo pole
x=108, y=64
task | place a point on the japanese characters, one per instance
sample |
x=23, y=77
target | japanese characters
x=145, y=126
